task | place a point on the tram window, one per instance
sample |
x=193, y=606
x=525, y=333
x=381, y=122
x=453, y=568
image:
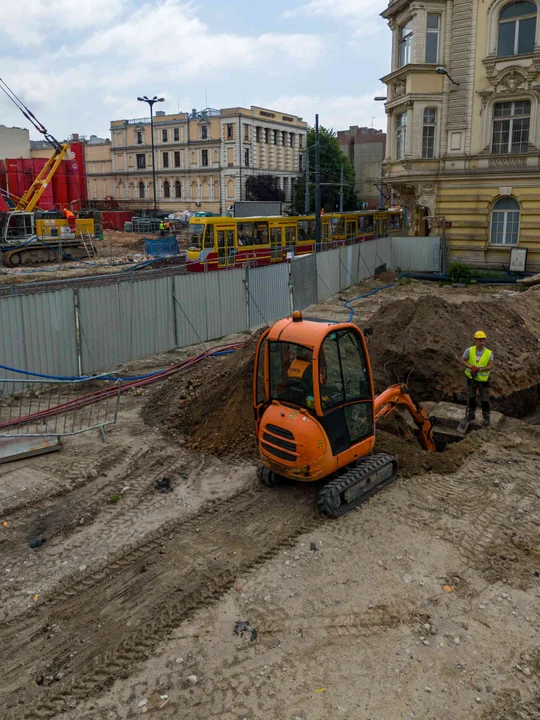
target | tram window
x=209, y=237
x=245, y=234
x=384, y=229
x=361, y=224
x=369, y=223
x=351, y=230
x=221, y=239
x=303, y=229
x=337, y=226
x=230, y=238
x=261, y=233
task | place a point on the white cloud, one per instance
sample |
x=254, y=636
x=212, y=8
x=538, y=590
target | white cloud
x=340, y=9
x=170, y=36
x=338, y=112
x=32, y=21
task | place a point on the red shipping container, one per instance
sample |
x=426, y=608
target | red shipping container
x=60, y=187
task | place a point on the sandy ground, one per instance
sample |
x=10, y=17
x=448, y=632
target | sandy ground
x=117, y=251
x=423, y=603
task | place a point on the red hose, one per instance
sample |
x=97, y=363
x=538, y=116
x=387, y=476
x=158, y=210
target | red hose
x=102, y=394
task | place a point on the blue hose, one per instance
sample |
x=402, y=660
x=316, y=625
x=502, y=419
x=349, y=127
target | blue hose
x=74, y=378
x=360, y=297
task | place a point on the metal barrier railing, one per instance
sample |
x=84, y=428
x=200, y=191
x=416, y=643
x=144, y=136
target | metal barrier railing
x=38, y=408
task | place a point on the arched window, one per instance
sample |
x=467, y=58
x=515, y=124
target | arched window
x=178, y=189
x=166, y=189
x=230, y=188
x=517, y=29
x=141, y=189
x=505, y=222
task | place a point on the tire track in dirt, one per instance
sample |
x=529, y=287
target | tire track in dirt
x=74, y=646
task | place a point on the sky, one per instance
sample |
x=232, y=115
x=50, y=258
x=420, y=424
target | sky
x=78, y=64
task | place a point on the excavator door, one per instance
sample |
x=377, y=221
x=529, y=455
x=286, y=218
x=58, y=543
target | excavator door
x=345, y=390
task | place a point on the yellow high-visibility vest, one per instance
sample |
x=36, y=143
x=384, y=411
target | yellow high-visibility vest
x=482, y=376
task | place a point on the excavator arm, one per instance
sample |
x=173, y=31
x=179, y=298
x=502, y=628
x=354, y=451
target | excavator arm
x=400, y=394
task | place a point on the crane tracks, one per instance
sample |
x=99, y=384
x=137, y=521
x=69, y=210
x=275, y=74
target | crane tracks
x=97, y=626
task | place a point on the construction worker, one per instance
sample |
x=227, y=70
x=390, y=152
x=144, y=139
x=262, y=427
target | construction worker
x=162, y=228
x=70, y=217
x=478, y=361
x=167, y=228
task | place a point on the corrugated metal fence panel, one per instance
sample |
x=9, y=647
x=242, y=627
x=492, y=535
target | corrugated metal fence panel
x=384, y=252
x=50, y=334
x=102, y=328
x=232, y=313
x=304, y=281
x=12, y=350
x=328, y=273
x=124, y=322
x=148, y=304
x=269, y=295
x=421, y=254
x=190, y=308
x=348, y=261
x=367, y=260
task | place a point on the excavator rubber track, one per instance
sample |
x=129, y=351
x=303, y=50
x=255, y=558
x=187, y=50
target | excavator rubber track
x=358, y=484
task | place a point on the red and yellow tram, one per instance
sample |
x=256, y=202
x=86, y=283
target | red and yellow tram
x=216, y=243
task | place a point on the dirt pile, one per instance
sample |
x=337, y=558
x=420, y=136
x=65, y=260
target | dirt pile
x=211, y=406
x=427, y=337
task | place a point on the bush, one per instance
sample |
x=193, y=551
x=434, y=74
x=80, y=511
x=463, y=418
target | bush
x=458, y=272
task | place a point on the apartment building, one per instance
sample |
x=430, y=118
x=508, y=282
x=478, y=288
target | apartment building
x=365, y=149
x=203, y=158
x=463, y=147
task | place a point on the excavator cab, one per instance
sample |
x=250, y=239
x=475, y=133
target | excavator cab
x=315, y=411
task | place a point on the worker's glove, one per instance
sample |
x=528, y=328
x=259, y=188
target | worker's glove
x=474, y=370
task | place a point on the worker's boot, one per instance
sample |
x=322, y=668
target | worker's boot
x=486, y=414
x=486, y=422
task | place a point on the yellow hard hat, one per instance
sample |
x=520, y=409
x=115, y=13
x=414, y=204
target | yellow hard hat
x=480, y=335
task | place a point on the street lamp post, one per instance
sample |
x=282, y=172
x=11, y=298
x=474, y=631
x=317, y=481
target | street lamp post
x=443, y=71
x=151, y=102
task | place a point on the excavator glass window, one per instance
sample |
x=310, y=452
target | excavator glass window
x=291, y=374
x=344, y=375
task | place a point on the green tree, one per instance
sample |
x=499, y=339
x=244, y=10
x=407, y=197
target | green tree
x=331, y=160
x=263, y=187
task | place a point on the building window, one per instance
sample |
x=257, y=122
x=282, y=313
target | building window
x=511, y=127
x=505, y=222
x=165, y=159
x=432, y=38
x=428, y=133
x=276, y=132
x=205, y=158
x=246, y=131
x=266, y=136
x=177, y=158
x=165, y=135
x=178, y=189
x=141, y=190
x=517, y=28
x=139, y=137
x=258, y=134
x=291, y=139
x=405, y=44
x=401, y=135
x=300, y=162
x=176, y=134
x=141, y=161
x=166, y=189
x=301, y=141
x=246, y=157
x=230, y=131
x=204, y=132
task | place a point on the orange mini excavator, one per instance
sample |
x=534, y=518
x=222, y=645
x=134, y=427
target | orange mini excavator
x=315, y=411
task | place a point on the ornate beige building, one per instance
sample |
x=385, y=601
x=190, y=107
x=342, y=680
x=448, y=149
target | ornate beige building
x=463, y=148
x=204, y=158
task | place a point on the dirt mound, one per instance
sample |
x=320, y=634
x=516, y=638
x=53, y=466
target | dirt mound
x=212, y=406
x=424, y=339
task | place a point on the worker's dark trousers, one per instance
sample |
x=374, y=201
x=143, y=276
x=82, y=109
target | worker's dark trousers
x=483, y=389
